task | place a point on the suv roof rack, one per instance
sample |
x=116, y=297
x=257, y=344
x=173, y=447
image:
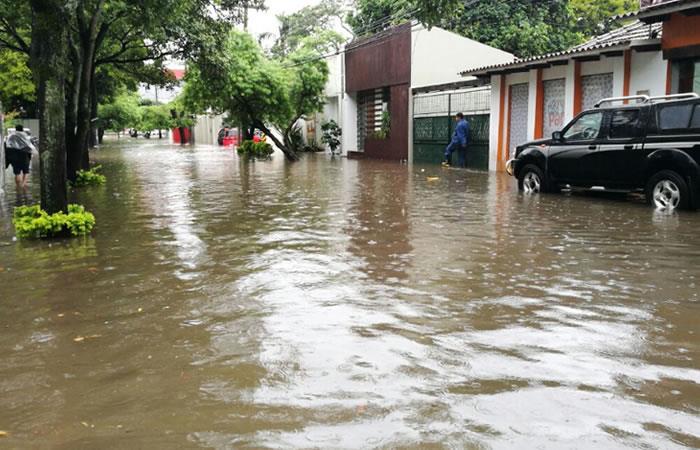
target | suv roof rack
x=673, y=97
x=640, y=98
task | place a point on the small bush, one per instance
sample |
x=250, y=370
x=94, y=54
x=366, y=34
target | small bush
x=32, y=222
x=258, y=150
x=91, y=177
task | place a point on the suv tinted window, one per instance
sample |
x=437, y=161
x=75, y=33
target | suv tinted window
x=625, y=124
x=695, y=122
x=675, y=117
x=586, y=128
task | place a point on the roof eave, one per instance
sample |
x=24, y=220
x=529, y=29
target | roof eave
x=662, y=12
x=526, y=65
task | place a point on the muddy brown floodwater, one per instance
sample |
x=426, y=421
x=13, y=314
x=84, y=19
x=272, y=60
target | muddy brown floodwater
x=347, y=304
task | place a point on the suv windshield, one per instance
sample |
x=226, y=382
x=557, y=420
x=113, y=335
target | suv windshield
x=586, y=127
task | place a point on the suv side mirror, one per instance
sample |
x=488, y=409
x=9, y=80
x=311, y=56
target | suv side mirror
x=557, y=136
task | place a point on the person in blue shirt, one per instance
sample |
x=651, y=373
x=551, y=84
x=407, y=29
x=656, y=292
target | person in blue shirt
x=459, y=142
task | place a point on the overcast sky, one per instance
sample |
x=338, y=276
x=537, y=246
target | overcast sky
x=260, y=22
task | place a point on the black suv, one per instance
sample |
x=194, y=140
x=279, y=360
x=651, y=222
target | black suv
x=652, y=145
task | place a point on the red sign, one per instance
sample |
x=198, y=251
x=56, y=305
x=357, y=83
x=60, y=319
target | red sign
x=647, y=3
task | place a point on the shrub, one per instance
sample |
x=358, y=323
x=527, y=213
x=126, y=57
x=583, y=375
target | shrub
x=32, y=222
x=331, y=135
x=258, y=150
x=91, y=177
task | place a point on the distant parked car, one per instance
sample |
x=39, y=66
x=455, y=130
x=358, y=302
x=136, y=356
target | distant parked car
x=652, y=146
x=228, y=136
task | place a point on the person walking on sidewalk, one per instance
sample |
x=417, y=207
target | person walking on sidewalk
x=18, y=153
x=460, y=140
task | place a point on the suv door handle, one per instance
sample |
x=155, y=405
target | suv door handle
x=629, y=147
x=592, y=147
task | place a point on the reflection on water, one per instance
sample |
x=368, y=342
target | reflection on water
x=347, y=304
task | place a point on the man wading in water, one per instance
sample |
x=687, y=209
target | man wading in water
x=460, y=140
x=18, y=152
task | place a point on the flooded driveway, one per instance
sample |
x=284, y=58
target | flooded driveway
x=347, y=304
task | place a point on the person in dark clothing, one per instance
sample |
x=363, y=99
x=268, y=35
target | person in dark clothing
x=460, y=140
x=18, y=153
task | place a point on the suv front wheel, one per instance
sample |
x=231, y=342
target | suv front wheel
x=531, y=180
x=668, y=191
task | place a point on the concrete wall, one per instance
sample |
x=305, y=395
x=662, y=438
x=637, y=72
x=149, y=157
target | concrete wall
x=438, y=56
x=648, y=73
x=349, y=123
x=207, y=129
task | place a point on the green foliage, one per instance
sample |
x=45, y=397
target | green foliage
x=593, y=17
x=91, y=177
x=255, y=150
x=385, y=129
x=16, y=84
x=371, y=16
x=31, y=222
x=331, y=135
x=522, y=27
x=310, y=21
x=236, y=77
x=123, y=112
x=156, y=117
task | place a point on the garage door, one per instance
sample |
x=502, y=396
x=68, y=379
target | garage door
x=554, y=106
x=517, y=121
x=594, y=88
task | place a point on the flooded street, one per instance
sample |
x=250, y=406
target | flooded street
x=347, y=304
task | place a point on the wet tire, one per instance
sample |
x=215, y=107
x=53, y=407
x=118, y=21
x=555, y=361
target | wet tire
x=666, y=190
x=531, y=180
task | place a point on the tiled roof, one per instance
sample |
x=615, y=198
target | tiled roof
x=620, y=37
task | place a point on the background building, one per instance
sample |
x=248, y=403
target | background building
x=383, y=72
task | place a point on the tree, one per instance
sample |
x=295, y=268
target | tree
x=118, y=33
x=16, y=85
x=523, y=27
x=267, y=93
x=48, y=63
x=593, y=17
x=155, y=117
x=309, y=21
x=123, y=112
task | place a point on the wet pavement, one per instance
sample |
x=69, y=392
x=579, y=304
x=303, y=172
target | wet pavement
x=347, y=304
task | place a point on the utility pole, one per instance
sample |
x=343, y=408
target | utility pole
x=245, y=18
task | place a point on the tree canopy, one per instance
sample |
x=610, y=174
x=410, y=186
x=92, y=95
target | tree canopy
x=522, y=27
x=266, y=92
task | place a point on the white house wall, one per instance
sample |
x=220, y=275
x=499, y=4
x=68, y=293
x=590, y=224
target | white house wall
x=438, y=56
x=349, y=123
x=648, y=73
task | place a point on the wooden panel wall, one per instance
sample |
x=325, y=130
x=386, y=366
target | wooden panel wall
x=384, y=60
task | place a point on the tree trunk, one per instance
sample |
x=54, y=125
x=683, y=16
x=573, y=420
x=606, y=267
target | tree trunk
x=289, y=153
x=100, y=134
x=48, y=58
x=93, y=115
x=2, y=149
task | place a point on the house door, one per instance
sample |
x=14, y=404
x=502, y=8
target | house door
x=554, y=106
x=594, y=88
x=517, y=120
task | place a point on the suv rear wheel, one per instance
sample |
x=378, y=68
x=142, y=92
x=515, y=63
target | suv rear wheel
x=667, y=190
x=531, y=180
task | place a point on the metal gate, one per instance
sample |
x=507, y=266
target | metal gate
x=433, y=125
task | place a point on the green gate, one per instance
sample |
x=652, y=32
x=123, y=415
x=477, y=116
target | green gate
x=433, y=125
